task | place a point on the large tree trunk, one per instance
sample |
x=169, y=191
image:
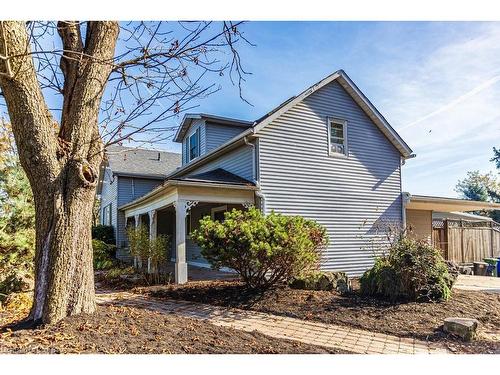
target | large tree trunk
x=61, y=162
x=64, y=282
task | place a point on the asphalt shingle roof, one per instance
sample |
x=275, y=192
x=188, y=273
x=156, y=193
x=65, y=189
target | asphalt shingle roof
x=142, y=162
x=218, y=175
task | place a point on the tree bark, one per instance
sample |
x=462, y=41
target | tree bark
x=61, y=162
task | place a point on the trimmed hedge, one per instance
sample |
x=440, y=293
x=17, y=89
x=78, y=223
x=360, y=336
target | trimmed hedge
x=104, y=233
x=263, y=250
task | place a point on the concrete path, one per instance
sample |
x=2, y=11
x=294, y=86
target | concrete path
x=478, y=283
x=315, y=333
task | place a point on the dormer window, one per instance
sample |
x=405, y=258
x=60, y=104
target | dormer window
x=337, y=137
x=194, y=145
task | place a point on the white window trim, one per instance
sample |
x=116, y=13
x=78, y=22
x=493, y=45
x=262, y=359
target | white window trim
x=329, y=120
x=196, y=132
x=217, y=209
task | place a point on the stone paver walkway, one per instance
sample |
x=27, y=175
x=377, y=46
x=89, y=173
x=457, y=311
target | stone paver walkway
x=326, y=335
x=478, y=283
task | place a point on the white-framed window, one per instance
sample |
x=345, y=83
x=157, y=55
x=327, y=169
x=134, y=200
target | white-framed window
x=217, y=213
x=194, y=145
x=106, y=215
x=337, y=137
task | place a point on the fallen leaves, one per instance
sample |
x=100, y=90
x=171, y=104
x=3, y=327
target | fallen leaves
x=120, y=329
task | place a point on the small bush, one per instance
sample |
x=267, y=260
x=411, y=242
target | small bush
x=117, y=272
x=144, y=248
x=104, y=233
x=104, y=255
x=322, y=280
x=263, y=250
x=412, y=270
x=138, y=241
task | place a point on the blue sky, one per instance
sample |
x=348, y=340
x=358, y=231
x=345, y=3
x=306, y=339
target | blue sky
x=438, y=84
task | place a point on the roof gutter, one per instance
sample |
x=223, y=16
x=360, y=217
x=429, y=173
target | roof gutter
x=469, y=204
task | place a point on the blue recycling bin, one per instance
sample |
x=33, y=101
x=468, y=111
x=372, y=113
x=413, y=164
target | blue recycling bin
x=498, y=267
x=492, y=266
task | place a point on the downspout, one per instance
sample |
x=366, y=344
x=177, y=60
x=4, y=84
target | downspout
x=258, y=192
x=405, y=197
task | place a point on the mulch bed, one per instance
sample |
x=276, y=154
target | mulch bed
x=418, y=320
x=118, y=329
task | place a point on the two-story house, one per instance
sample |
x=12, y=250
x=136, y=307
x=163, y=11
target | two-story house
x=326, y=154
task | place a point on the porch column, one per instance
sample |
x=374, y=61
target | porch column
x=182, y=207
x=137, y=221
x=180, y=240
x=152, y=231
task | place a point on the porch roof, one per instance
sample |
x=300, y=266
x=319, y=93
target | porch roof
x=173, y=184
x=430, y=203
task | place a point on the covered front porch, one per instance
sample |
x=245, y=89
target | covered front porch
x=175, y=208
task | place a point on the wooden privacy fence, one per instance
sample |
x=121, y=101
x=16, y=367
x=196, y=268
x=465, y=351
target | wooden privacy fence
x=466, y=241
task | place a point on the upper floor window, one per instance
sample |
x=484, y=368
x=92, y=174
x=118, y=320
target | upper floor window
x=194, y=145
x=337, y=137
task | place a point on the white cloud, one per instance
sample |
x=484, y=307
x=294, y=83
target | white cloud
x=448, y=109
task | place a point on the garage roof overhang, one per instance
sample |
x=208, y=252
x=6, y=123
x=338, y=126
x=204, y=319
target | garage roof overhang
x=430, y=203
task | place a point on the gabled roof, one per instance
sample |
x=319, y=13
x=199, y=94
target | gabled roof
x=129, y=161
x=190, y=117
x=343, y=79
x=257, y=125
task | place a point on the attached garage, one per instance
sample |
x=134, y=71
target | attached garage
x=461, y=240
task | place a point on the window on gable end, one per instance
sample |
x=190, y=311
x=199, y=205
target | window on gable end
x=337, y=137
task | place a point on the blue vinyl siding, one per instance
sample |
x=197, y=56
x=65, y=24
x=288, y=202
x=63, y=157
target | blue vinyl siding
x=239, y=162
x=129, y=189
x=198, y=124
x=109, y=196
x=352, y=197
x=218, y=134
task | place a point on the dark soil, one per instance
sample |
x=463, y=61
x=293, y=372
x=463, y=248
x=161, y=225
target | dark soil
x=116, y=329
x=418, y=320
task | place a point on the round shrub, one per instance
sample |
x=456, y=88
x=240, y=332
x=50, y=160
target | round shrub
x=412, y=270
x=262, y=249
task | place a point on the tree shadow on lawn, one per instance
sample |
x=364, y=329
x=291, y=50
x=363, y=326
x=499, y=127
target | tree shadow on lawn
x=21, y=325
x=222, y=293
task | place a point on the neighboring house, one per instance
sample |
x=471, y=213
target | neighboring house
x=326, y=154
x=127, y=174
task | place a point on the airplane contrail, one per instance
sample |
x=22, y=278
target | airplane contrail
x=456, y=101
